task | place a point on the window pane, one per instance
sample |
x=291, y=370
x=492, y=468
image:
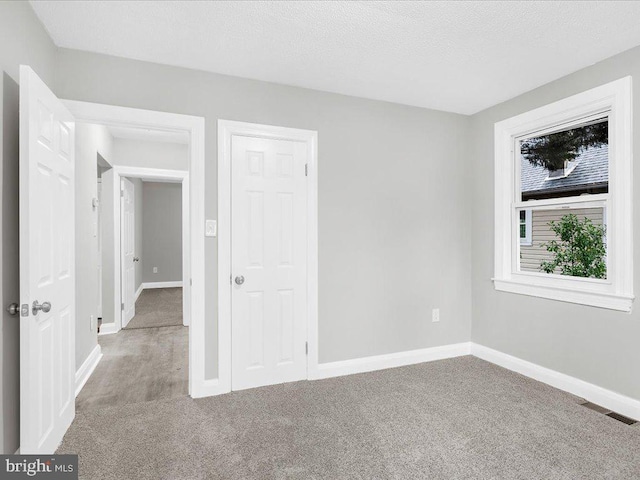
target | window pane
x=567, y=242
x=567, y=163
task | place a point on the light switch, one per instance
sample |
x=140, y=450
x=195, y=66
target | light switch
x=211, y=229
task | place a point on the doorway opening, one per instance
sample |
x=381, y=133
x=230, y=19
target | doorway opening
x=59, y=249
x=150, y=169
x=139, y=243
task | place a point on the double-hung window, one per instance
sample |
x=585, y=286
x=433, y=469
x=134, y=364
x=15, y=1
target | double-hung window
x=563, y=200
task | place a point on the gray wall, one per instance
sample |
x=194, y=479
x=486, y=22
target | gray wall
x=394, y=216
x=90, y=140
x=22, y=41
x=162, y=232
x=136, y=153
x=402, y=191
x=596, y=345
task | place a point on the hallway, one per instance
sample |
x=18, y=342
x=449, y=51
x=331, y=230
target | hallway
x=146, y=361
x=157, y=307
x=139, y=365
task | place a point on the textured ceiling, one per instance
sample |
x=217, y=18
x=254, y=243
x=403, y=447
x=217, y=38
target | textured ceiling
x=455, y=56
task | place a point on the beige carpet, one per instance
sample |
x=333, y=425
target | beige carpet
x=453, y=419
x=157, y=307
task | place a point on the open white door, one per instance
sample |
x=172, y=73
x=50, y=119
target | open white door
x=127, y=249
x=99, y=221
x=47, y=267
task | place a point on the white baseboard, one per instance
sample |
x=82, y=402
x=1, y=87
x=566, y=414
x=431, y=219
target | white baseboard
x=208, y=388
x=139, y=291
x=593, y=393
x=601, y=396
x=147, y=285
x=391, y=360
x=87, y=368
x=108, y=329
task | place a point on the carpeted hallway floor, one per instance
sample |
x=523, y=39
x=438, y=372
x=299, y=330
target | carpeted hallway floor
x=137, y=366
x=461, y=418
x=157, y=307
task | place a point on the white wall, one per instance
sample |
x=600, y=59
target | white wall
x=162, y=232
x=394, y=210
x=91, y=140
x=593, y=344
x=108, y=270
x=136, y=153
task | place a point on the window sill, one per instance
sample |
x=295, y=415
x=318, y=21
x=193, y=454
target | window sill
x=606, y=300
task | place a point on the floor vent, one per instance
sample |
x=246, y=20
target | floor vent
x=609, y=413
x=622, y=418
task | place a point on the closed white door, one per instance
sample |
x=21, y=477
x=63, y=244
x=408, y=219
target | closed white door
x=127, y=249
x=268, y=261
x=47, y=267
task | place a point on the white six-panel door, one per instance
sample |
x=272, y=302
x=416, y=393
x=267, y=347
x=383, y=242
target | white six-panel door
x=47, y=267
x=127, y=232
x=268, y=261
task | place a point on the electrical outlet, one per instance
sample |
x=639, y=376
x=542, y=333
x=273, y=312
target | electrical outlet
x=435, y=315
x=155, y=269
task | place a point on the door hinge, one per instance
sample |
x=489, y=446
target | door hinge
x=306, y=169
x=122, y=306
x=122, y=193
x=191, y=282
x=306, y=348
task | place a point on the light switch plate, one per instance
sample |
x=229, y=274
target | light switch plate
x=211, y=229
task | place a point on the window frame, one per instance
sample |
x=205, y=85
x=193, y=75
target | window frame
x=527, y=240
x=614, y=100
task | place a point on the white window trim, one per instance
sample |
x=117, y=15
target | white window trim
x=527, y=241
x=616, y=292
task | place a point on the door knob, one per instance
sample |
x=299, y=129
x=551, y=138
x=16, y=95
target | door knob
x=136, y=259
x=13, y=309
x=44, y=306
x=240, y=280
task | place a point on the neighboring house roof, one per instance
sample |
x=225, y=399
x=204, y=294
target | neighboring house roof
x=591, y=171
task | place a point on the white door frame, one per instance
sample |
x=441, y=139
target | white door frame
x=227, y=129
x=153, y=175
x=110, y=115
